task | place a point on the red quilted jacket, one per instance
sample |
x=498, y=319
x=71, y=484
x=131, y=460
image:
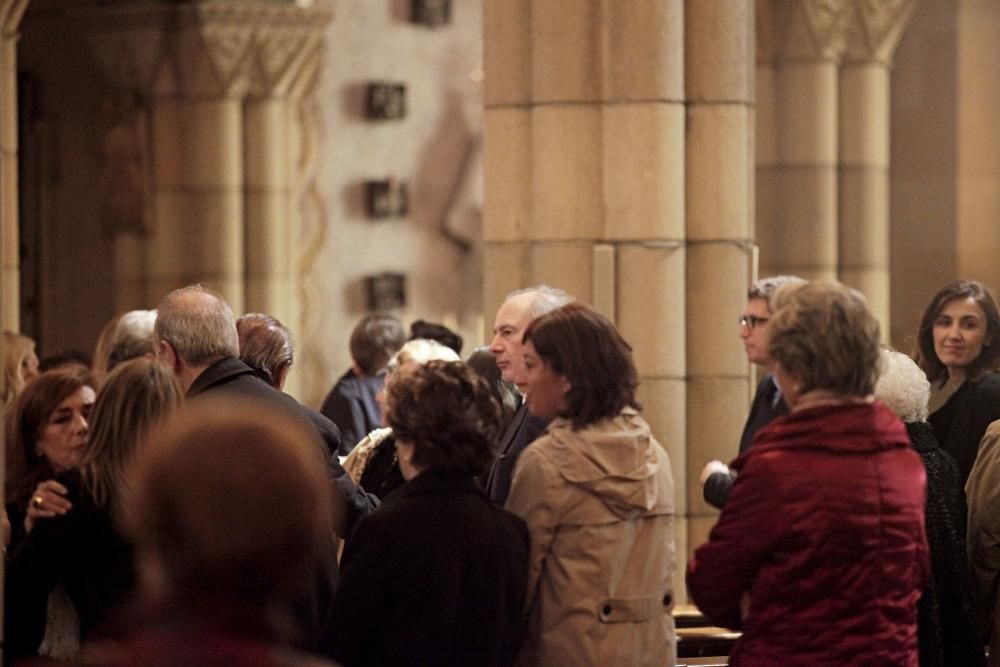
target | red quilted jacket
x=823, y=539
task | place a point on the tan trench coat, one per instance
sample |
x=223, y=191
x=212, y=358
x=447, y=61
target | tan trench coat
x=599, y=504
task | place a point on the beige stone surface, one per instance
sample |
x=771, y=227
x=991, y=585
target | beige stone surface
x=766, y=116
x=267, y=159
x=719, y=50
x=567, y=200
x=699, y=527
x=506, y=267
x=651, y=302
x=718, y=275
x=642, y=49
x=643, y=172
x=664, y=402
x=268, y=245
x=681, y=546
x=199, y=232
x=566, y=265
x=873, y=282
x=719, y=173
x=806, y=237
x=507, y=171
x=211, y=143
x=864, y=115
x=507, y=52
x=864, y=216
x=565, y=51
x=166, y=129
x=716, y=411
x=604, y=279
x=807, y=113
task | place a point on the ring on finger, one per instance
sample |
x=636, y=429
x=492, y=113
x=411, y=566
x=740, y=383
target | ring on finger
x=38, y=501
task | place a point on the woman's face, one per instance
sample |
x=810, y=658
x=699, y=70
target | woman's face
x=545, y=390
x=64, y=434
x=959, y=333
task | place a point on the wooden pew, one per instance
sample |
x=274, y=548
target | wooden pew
x=698, y=642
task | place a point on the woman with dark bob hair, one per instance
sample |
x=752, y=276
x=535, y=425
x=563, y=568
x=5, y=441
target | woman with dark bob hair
x=597, y=493
x=819, y=556
x=957, y=348
x=437, y=575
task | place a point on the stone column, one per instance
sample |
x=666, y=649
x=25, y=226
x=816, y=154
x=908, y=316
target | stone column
x=11, y=12
x=719, y=83
x=872, y=35
x=798, y=91
x=584, y=184
x=285, y=60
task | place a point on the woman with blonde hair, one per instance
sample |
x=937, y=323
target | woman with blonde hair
x=20, y=364
x=83, y=549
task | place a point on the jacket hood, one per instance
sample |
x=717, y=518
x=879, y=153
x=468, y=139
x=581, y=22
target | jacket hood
x=855, y=428
x=616, y=460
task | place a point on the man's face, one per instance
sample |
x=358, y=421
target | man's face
x=753, y=331
x=508, y=334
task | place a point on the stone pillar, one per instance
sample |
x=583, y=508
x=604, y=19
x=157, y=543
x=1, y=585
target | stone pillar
x=584, y=179
x=719, y=83
x=803, y=40
x=11, y=12
x=219, y=87
x=872, y=35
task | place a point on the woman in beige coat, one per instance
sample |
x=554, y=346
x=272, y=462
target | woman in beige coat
x=597, y=494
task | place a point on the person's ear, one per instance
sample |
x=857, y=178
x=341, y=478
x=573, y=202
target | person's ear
x=565, y=384
x=166, y=353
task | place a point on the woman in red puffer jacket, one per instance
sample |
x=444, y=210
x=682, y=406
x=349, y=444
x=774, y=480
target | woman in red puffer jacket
x=820, y=556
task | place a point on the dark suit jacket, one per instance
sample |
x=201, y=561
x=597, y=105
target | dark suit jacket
x=437, y=576
x=767, y=405
x=521, y=432
x=351, y=405
x=231, y=377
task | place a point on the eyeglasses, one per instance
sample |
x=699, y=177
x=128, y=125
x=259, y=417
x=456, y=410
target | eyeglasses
x=752, y=321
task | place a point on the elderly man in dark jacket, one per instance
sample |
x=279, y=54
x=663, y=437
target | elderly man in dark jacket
x=195, y=334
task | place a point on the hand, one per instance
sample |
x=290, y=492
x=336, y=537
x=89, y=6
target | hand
x=711, y=468
x=48, y=500
x=6, y=530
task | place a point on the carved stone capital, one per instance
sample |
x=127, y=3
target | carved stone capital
x=875, y=29
x=11, y=12
x=213, y=48
x=830, y=30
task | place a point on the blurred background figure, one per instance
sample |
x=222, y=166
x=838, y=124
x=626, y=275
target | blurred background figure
x=484, y=362
x=351, y=403
x=438, y=332
x=819, y=555
x=958, y=349
x=220, y=562
x=124, y=337
x=597, y=494
x=20, y=364
x=436, y=576
x=946, y=614
x=64, y=358
x=83, y=549
x=373, y=464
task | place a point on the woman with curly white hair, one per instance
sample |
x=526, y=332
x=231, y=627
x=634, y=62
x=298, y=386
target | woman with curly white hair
x=946, y=617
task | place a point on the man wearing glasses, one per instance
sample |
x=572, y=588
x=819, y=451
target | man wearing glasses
x=716, y=478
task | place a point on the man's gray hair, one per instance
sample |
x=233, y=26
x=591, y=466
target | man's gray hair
x=902, y=386
x=766, y=287
x=545, y=301
x=132, y=337
x=199, y=324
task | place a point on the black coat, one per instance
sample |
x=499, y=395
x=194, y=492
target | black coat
x=83, y=551
x=767, y=406
x=436, y=577
x=523, y=430
x=232, y=378
x=947, y=627
x=962, y=421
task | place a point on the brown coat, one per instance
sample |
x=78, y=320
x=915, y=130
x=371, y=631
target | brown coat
x=599, y=504
x=984, y=535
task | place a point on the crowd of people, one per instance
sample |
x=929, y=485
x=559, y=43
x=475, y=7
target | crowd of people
x=166, y=502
